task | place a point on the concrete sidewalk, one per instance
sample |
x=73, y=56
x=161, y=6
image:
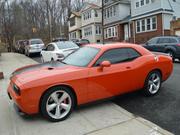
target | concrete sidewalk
x=101, y=119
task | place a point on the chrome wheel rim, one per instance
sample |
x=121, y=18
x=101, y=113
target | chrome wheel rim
x=58, y=104
x=154, y=83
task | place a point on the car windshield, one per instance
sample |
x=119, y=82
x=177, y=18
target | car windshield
x=36, y=41
x=66, y=45
x=82, y=57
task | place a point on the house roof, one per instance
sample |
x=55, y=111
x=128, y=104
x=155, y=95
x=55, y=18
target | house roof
x=78, y=14
x=126, y=19
x=88, y=5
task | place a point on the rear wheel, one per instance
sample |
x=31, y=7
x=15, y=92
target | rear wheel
x=152, y=83
x=57, y=104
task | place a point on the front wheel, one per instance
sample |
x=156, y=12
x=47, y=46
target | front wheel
x=152, y=83
x=57, y=104
x=171, y=54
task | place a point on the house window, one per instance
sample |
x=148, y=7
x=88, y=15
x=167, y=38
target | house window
x=137, y=4
x=88, y=31
x=95, y=13
x=87, y=15
x=138, y=29
x=98, y=30
x=154, y=23
x=111, y=32
x=147, y=1
x=143, y=28
x=148, y=24
x=110, y=12
x=73, y=35
x=72, y=21
x=142, y=2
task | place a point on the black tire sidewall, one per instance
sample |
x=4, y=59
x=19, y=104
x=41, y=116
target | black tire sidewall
x=46, y=96
x=146, y=89
x=172, y=52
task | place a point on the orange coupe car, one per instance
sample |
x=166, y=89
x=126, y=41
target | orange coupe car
x=89, y=74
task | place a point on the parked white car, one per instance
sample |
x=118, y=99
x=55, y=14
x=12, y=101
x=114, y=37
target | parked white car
x=33, y=46
x=56, y=51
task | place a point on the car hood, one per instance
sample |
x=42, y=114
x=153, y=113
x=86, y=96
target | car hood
x=41, y=71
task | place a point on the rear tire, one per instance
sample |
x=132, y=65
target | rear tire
x=57, y=104
x=153, y=83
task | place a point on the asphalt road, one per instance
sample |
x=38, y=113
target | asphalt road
x=162, y=109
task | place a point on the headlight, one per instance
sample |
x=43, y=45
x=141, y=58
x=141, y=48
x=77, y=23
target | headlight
x=16, y=89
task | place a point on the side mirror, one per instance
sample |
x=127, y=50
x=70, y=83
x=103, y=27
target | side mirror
x=105, y=64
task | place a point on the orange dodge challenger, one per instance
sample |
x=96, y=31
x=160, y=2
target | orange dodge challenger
x=91, y=73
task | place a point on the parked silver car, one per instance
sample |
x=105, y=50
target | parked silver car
x=34, y=46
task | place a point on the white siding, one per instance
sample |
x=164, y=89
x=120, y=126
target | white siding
x=155, y=5
x=144, y=9
x=77, y=24
x=122, y=11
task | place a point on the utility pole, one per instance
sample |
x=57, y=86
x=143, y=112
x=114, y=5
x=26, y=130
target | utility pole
x=103, y=21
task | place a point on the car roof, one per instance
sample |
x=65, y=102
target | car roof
x=167, y=37
x=105, y=47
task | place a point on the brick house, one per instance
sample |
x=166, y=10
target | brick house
x=116, y=20
x=150, y=18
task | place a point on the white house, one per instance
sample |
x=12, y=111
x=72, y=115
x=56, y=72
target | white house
x=75, y=26
x=91, y=19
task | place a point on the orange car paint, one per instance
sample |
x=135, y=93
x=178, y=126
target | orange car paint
x=89, y=83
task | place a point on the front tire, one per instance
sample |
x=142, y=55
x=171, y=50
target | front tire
x=153, y=83
x=57, y=104
x=171, y=54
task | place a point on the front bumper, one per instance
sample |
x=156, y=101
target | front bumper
x=19, y=102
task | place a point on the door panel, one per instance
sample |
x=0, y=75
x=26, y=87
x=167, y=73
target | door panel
x=111, y=81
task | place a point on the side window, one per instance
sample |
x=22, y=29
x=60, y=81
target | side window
x=114, y=56
x=172, y=40
x=163, y=40
x=152, y=41
x=133, y=54
x=50, y=48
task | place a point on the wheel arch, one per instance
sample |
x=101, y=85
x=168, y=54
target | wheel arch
x=158, y=70
x=173, y=49
x=56, y=86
